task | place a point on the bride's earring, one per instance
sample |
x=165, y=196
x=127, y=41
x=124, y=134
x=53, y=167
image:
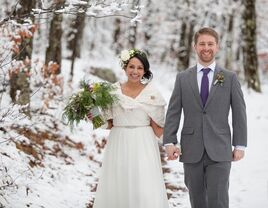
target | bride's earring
x=143, y=80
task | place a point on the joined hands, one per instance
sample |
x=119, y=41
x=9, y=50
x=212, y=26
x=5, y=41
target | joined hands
x=173, y=152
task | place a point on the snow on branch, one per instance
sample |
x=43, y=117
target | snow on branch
x=95, y=9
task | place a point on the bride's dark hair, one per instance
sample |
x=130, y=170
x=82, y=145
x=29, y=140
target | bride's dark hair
x=144, y=60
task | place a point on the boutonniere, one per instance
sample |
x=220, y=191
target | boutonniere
x=219, y=79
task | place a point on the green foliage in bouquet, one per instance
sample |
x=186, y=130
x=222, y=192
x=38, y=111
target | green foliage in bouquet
x=91, y=98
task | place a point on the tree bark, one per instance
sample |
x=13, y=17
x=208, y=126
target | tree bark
x=250, y=60
x=116, y=36
x=20, y=82
x=229, y=42
x=74, y=44
x=148, y=25
x=53, y=52
x=133, y=29
x=185, y=45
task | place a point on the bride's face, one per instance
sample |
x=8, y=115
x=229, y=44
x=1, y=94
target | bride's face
x=134, y=70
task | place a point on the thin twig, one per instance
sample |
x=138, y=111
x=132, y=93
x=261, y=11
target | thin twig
x=14, y=58
x=55, y=9
x=6, y=140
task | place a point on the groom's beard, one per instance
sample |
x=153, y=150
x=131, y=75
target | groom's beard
x=206, y=56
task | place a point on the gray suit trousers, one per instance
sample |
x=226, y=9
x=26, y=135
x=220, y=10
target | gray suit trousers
x=208, y=183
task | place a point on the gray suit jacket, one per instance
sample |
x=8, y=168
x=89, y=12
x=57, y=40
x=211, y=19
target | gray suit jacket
x=208, y=127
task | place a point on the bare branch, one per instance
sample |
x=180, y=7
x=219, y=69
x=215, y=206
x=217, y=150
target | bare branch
x=99, y=10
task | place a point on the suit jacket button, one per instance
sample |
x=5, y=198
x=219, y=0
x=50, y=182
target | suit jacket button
x=204, y=112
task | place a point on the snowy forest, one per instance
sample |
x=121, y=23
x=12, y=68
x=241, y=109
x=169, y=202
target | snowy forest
x=48, y=46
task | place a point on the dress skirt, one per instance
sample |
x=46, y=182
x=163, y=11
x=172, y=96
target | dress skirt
x=131, y=173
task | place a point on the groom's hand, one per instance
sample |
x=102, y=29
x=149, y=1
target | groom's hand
x=238, y=154
x=172, y=151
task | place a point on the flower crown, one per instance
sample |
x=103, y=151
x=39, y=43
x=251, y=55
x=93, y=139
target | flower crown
x=126, y=55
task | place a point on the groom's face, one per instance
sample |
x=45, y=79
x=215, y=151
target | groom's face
x=206, y=49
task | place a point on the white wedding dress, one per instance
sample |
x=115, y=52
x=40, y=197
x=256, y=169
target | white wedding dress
x=131, y=174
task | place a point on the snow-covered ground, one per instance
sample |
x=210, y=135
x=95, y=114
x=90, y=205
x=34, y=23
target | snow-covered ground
x=68, y=183
x=249, y=177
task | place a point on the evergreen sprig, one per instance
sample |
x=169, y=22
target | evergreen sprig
x=91, y=98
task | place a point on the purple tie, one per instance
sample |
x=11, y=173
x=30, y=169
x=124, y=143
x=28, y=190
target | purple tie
x=204, y=86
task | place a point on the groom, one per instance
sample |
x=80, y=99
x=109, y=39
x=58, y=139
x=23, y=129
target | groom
x=206, y=93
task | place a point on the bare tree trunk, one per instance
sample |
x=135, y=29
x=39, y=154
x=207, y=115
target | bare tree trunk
x=185, y=45
x=53, y=52
x=148, y=25
x=229, y=43
x=133, y=29
x=249, y=46
x=19, y=82
x=74, y=44
x=181, y=54
x=116, y=35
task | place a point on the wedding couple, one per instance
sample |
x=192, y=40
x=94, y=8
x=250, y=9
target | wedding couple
x=131, y=174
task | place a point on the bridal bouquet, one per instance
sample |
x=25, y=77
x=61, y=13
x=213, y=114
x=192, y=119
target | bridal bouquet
x=92, y=98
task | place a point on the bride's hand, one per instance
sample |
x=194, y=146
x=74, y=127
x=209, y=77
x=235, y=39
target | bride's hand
x=173, y=152
x=110, y=124
x=90, y=116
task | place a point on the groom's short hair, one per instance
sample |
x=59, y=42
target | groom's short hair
x=207, y=31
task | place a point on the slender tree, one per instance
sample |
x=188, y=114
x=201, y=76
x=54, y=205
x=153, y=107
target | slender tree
x=133, y=29
x=75, y=36
x=116, y=35
x=148, y=25
x=185, y=44
x=250, y=59
x=53, y=52
x=229, y=42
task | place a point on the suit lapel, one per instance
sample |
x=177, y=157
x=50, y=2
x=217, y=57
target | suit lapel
x=194, y=85
x=213, y=87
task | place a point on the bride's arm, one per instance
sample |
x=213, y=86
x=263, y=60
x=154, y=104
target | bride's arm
x=158, y=130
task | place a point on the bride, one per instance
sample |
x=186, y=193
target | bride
x=131, y=174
